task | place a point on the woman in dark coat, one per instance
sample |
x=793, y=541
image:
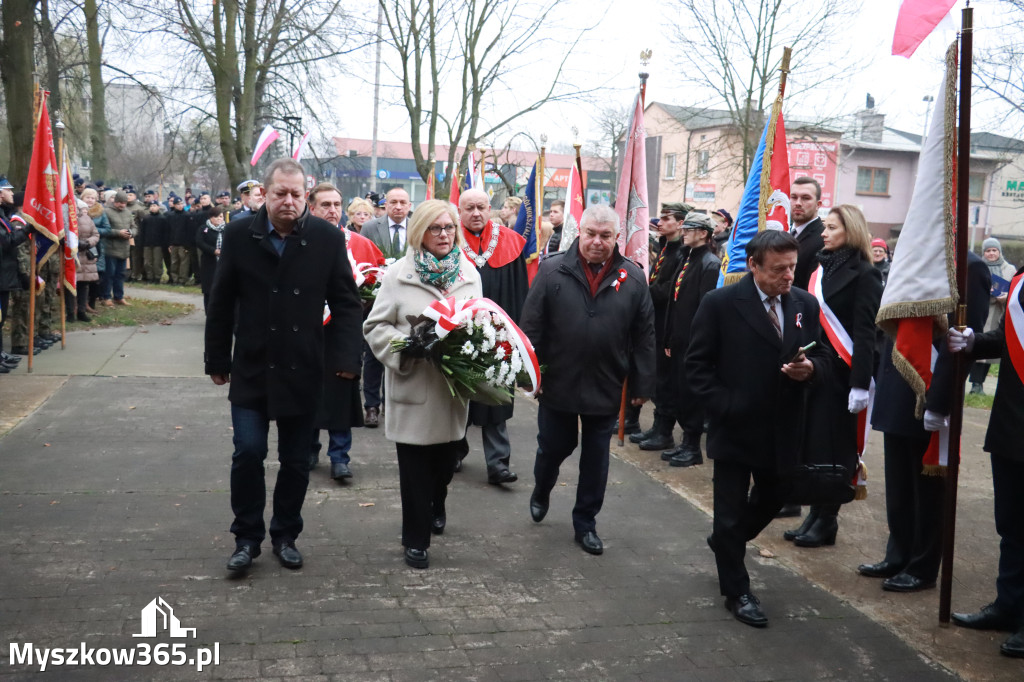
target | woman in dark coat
x=846, y=283
x=208, y=239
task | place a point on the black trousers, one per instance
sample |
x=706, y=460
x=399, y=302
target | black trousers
x=739, y=517
x=913, y=505
x=373, y=378
x=5, y=301
x=557, y=436
x=689, y=408
x=1007, y=484
x=424, y=472
x=664, y=388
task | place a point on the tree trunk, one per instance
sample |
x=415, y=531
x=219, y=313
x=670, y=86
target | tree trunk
x=16, y=65
x=49, y=42
x=98, y=114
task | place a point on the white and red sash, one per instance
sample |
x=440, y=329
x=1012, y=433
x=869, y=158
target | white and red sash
x=1015, y=325
x=449, y=314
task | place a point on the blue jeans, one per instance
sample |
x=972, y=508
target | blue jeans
x=248, y=483
x=556, y=439
x=338, y=446
x=373, y=377
x=114, y=280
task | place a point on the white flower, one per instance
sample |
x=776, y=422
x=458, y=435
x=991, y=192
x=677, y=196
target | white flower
x=517, y=363
x=489, y=373
x=499, y=354
x=467, y=348
x=502, y=372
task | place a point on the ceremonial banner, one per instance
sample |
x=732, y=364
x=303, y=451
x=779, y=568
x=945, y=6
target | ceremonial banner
x=299, y=148
x=573, y=207
x=526, y=223
x=915, y=21
x=765, y=202
x=631, y=199
x=267, y=138
x=42, y=206
x=454, y=193
x=70, y=204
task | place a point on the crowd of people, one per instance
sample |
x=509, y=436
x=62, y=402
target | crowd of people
x=790, y=351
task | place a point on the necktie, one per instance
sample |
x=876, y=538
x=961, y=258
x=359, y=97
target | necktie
x=395, y=243
x=775, y=316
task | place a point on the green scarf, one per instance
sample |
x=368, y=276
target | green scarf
x=440, y=273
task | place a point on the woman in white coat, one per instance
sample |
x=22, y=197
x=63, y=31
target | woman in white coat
x=420, y=414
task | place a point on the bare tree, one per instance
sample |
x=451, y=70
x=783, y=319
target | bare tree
x=731, y=51
x=999, y=66
x=16, y=67
x=456, y=58
x=257, y=60
x=611, y=121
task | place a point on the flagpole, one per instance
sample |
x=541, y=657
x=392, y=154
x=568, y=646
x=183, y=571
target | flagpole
x=37, y=106
x=956, y=414
x=769, y=142
x=59, y=125
x=538, y=193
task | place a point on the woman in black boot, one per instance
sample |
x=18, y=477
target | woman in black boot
x=848, y=288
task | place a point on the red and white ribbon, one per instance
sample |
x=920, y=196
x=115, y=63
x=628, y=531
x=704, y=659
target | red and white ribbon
x=450, y=314
x=1015, y=325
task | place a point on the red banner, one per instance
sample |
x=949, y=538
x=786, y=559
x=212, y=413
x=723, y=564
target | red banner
x=42, y=208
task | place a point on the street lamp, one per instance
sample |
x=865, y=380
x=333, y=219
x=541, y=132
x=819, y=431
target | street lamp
x=927, y=99
x=289, y=122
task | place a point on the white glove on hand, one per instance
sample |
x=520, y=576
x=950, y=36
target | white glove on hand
x=934, y=421
x=858, y=400
x=959, y=341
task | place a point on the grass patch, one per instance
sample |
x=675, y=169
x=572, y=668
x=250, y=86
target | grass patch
x=983, y=402
x=166, y=286
x=141, y=312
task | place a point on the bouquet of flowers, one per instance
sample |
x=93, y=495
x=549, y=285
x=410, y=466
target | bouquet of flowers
x=368, y=280
x=479, y=351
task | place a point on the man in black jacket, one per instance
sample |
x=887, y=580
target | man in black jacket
x=276, y=269
x=182, y=234
x=590, y=319
x=806, y=226
x=1003, y=442
x=745, y=363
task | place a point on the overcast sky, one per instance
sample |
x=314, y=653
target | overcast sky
x=610, y=57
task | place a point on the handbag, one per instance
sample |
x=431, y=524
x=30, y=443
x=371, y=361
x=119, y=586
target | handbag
x=817, y=484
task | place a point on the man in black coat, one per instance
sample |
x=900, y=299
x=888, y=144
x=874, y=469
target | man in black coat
x=806, y=226
x=497, y=252
x=1003, y=442
x=745, y=364
x=275, y=272
x=696, y=276
x=590, y=319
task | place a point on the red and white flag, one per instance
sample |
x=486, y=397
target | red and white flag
x=42, y=206
x=915, y=22
x=921, y=289
x=631, y=199
x=573, y=208
x=70, y=204
x=267, y=138
x=300, y=148
x=454, y=192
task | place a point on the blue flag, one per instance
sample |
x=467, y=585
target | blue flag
x=746, y=217
x=526, y=221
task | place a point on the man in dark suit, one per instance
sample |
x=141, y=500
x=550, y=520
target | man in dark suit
x=1003, y=442
x=806, y=226
x=388, y=233
x=276, y=270
x=745, y=364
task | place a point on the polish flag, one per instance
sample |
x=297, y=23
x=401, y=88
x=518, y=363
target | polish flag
x=301, y=147
x=574, y=205
x=915, y=22
x=267, y=138
x=631, y=201
x=67, y=199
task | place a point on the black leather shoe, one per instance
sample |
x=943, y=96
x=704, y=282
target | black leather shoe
x=538, y=506
x=883, y=569
x=904, y=582
x=659, y=441
x=631, y=427
x=437, y=524
x=809, y=520
x=1014, y=646
x=642, y=435
x=372, y=417
x=789, y=511
x=747, y=609
x=23, y=350
x=667, y=455
x=687, y=458
x=502, y=476
x=4, y=369
x=340, y=470
x=590, y=543
x=54, y=337
x=988, y=618
x=288, y=555
x=241, y=560
x=417, y=558
x=823, y=532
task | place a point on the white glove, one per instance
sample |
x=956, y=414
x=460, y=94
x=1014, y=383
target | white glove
x=934, y=421
x=958, y=341
x=858, y=400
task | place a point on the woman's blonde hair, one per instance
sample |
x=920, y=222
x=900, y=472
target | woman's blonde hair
x=425, y=214
x=359, y=204
x=857, y=235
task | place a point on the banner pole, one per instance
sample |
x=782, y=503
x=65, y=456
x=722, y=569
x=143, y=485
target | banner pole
x=61, y=289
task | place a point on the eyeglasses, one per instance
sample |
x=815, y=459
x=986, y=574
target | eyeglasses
x=436, y=229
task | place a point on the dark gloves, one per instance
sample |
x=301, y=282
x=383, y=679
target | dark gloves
x=423, y=342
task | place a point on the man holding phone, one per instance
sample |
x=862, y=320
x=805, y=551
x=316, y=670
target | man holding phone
x=749, y=358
